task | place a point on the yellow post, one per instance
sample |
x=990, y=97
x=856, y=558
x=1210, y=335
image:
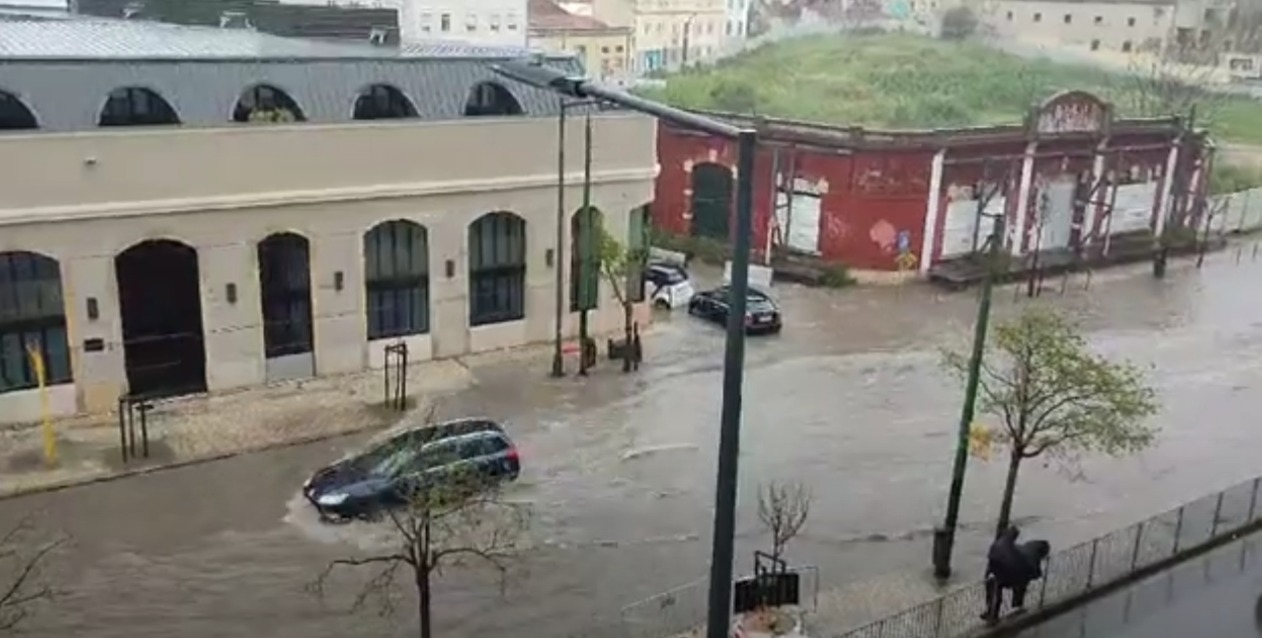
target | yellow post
x=50, y=437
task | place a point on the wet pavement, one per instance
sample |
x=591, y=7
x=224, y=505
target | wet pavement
x=1218, y=594
x=619, y=469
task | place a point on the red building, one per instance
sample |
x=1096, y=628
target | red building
x=1072, y=178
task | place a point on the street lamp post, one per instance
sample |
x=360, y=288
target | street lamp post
x=563, y=106
x=535, y=73
x=944, y=537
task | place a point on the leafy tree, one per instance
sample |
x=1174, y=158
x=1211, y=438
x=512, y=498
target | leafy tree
x=1054, y=397
x=460, y=521
x=958, y=23
x=21, y=564
x=621, y=267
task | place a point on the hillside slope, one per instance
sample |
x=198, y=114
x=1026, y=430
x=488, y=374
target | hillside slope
x=903, y=81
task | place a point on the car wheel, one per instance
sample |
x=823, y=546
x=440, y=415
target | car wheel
x=694, y=309
x=661, y=304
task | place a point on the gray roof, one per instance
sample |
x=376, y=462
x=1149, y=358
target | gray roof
x=64, y=67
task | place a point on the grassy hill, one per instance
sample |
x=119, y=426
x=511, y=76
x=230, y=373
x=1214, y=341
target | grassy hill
x=903, y=81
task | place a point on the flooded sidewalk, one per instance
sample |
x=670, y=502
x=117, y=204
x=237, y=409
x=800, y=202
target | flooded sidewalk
x=206, y=427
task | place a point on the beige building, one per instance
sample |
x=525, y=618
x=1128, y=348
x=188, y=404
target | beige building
x=668, y=34
x=1139, y=26
x=605, y=51
x=180, y=255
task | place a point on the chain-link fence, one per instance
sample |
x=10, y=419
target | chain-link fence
x=1087, y=566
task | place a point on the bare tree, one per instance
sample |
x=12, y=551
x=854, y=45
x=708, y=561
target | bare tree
x=460, y=520
x=22, y=559
x=622, y=267
x=1162, y=87
x=783, y=509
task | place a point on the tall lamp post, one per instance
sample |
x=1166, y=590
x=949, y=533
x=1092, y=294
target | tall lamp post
x=563, y=106
x=536, y=74
x=944, y=537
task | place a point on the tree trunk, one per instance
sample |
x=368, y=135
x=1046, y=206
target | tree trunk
x=626, y=333
x=422, y=581
x=1009, y=491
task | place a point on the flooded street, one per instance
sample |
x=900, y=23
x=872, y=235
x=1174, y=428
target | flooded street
x=850, y=400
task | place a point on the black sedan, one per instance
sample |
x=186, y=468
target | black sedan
x=762, y=315
x=390, y=472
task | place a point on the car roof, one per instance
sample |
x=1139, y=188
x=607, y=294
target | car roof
x=665, y=265
x=445, y=429
x=752, y=292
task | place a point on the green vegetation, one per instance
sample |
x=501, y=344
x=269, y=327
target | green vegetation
x=705, y=249
x=1231, y=178
x=905, y=81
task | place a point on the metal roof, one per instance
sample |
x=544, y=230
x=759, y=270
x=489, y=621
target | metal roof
x=63, y=68
x=31, y=37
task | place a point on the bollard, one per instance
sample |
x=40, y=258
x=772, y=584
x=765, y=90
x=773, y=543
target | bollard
x=144, y=408
x=1047, y=575
x=122, y=428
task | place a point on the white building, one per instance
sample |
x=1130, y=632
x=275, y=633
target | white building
x=487, y=22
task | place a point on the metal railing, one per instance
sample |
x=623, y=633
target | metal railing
x=1234, y=213
x=1090, y=565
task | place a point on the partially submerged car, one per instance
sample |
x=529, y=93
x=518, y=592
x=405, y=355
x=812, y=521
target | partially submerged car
x=762, y=314
x=667, y=285
x=391, y=471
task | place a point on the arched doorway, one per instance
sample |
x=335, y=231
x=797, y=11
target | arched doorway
x=497, y=269
x=32, y=319
x=285, y=289
x=159, y=299
x=711, y=201
x=491, y=99
x=585, y=238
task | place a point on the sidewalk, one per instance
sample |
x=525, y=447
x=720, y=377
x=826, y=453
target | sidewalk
x=196, y=428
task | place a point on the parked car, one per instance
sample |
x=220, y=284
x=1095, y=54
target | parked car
x=667, y=285
x=762, y=314
x=389, y=472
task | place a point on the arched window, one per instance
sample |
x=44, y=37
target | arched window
x=396, y=276
x=136, y=106
x=585, y=237
x=497, y=269
x=14, y=115
x=285, y=291
x=32, y=318
x=383, y=102
x=266, y=103
x=489, y=98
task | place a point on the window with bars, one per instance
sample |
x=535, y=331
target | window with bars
x=32, y=317
x=637, y=252
x=497, y=269
x=136, y=106
x=265, y=103
x=489, y=98
x=585, y=229
x=396, y=277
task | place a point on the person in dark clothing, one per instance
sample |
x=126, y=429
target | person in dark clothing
x=1011, y=566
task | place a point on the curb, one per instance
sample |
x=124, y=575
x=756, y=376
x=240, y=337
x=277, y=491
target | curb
x=153, y=469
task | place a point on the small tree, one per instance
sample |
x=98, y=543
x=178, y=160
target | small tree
x=1053, y=397
x=783, y=510
x=958, y=23
x=620, y=266
x=21, y=578
x=277, y=115
x=462, y=521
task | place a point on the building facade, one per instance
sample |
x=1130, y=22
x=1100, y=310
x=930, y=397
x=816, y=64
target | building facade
x=169, y=246
x=668, y=34
x=1071, y=177
x=487, y=22
x=605, y=51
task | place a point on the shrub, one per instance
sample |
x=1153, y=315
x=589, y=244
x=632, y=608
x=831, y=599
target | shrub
x=958, y=23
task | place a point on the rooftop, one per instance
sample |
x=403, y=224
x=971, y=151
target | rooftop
x=51, y=37
x=546, y=15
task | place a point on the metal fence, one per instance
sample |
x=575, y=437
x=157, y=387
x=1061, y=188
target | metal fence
x=1081, y=568
x=680, y=611
x=1239, y=212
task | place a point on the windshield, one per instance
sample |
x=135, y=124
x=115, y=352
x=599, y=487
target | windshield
x=393, y=464
x=668, y=276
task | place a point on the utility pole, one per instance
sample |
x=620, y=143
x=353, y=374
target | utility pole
x=944, y=537
x=584, y=249
x=558, y=362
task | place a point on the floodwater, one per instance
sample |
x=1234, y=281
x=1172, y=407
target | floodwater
x=619, y=470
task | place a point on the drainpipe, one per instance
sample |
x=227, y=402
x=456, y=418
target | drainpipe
x=929, y=237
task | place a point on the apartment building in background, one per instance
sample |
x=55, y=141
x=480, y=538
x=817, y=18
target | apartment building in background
x=1187, y=27
x=668, y=34
x=605, y=51
x=485, y=22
